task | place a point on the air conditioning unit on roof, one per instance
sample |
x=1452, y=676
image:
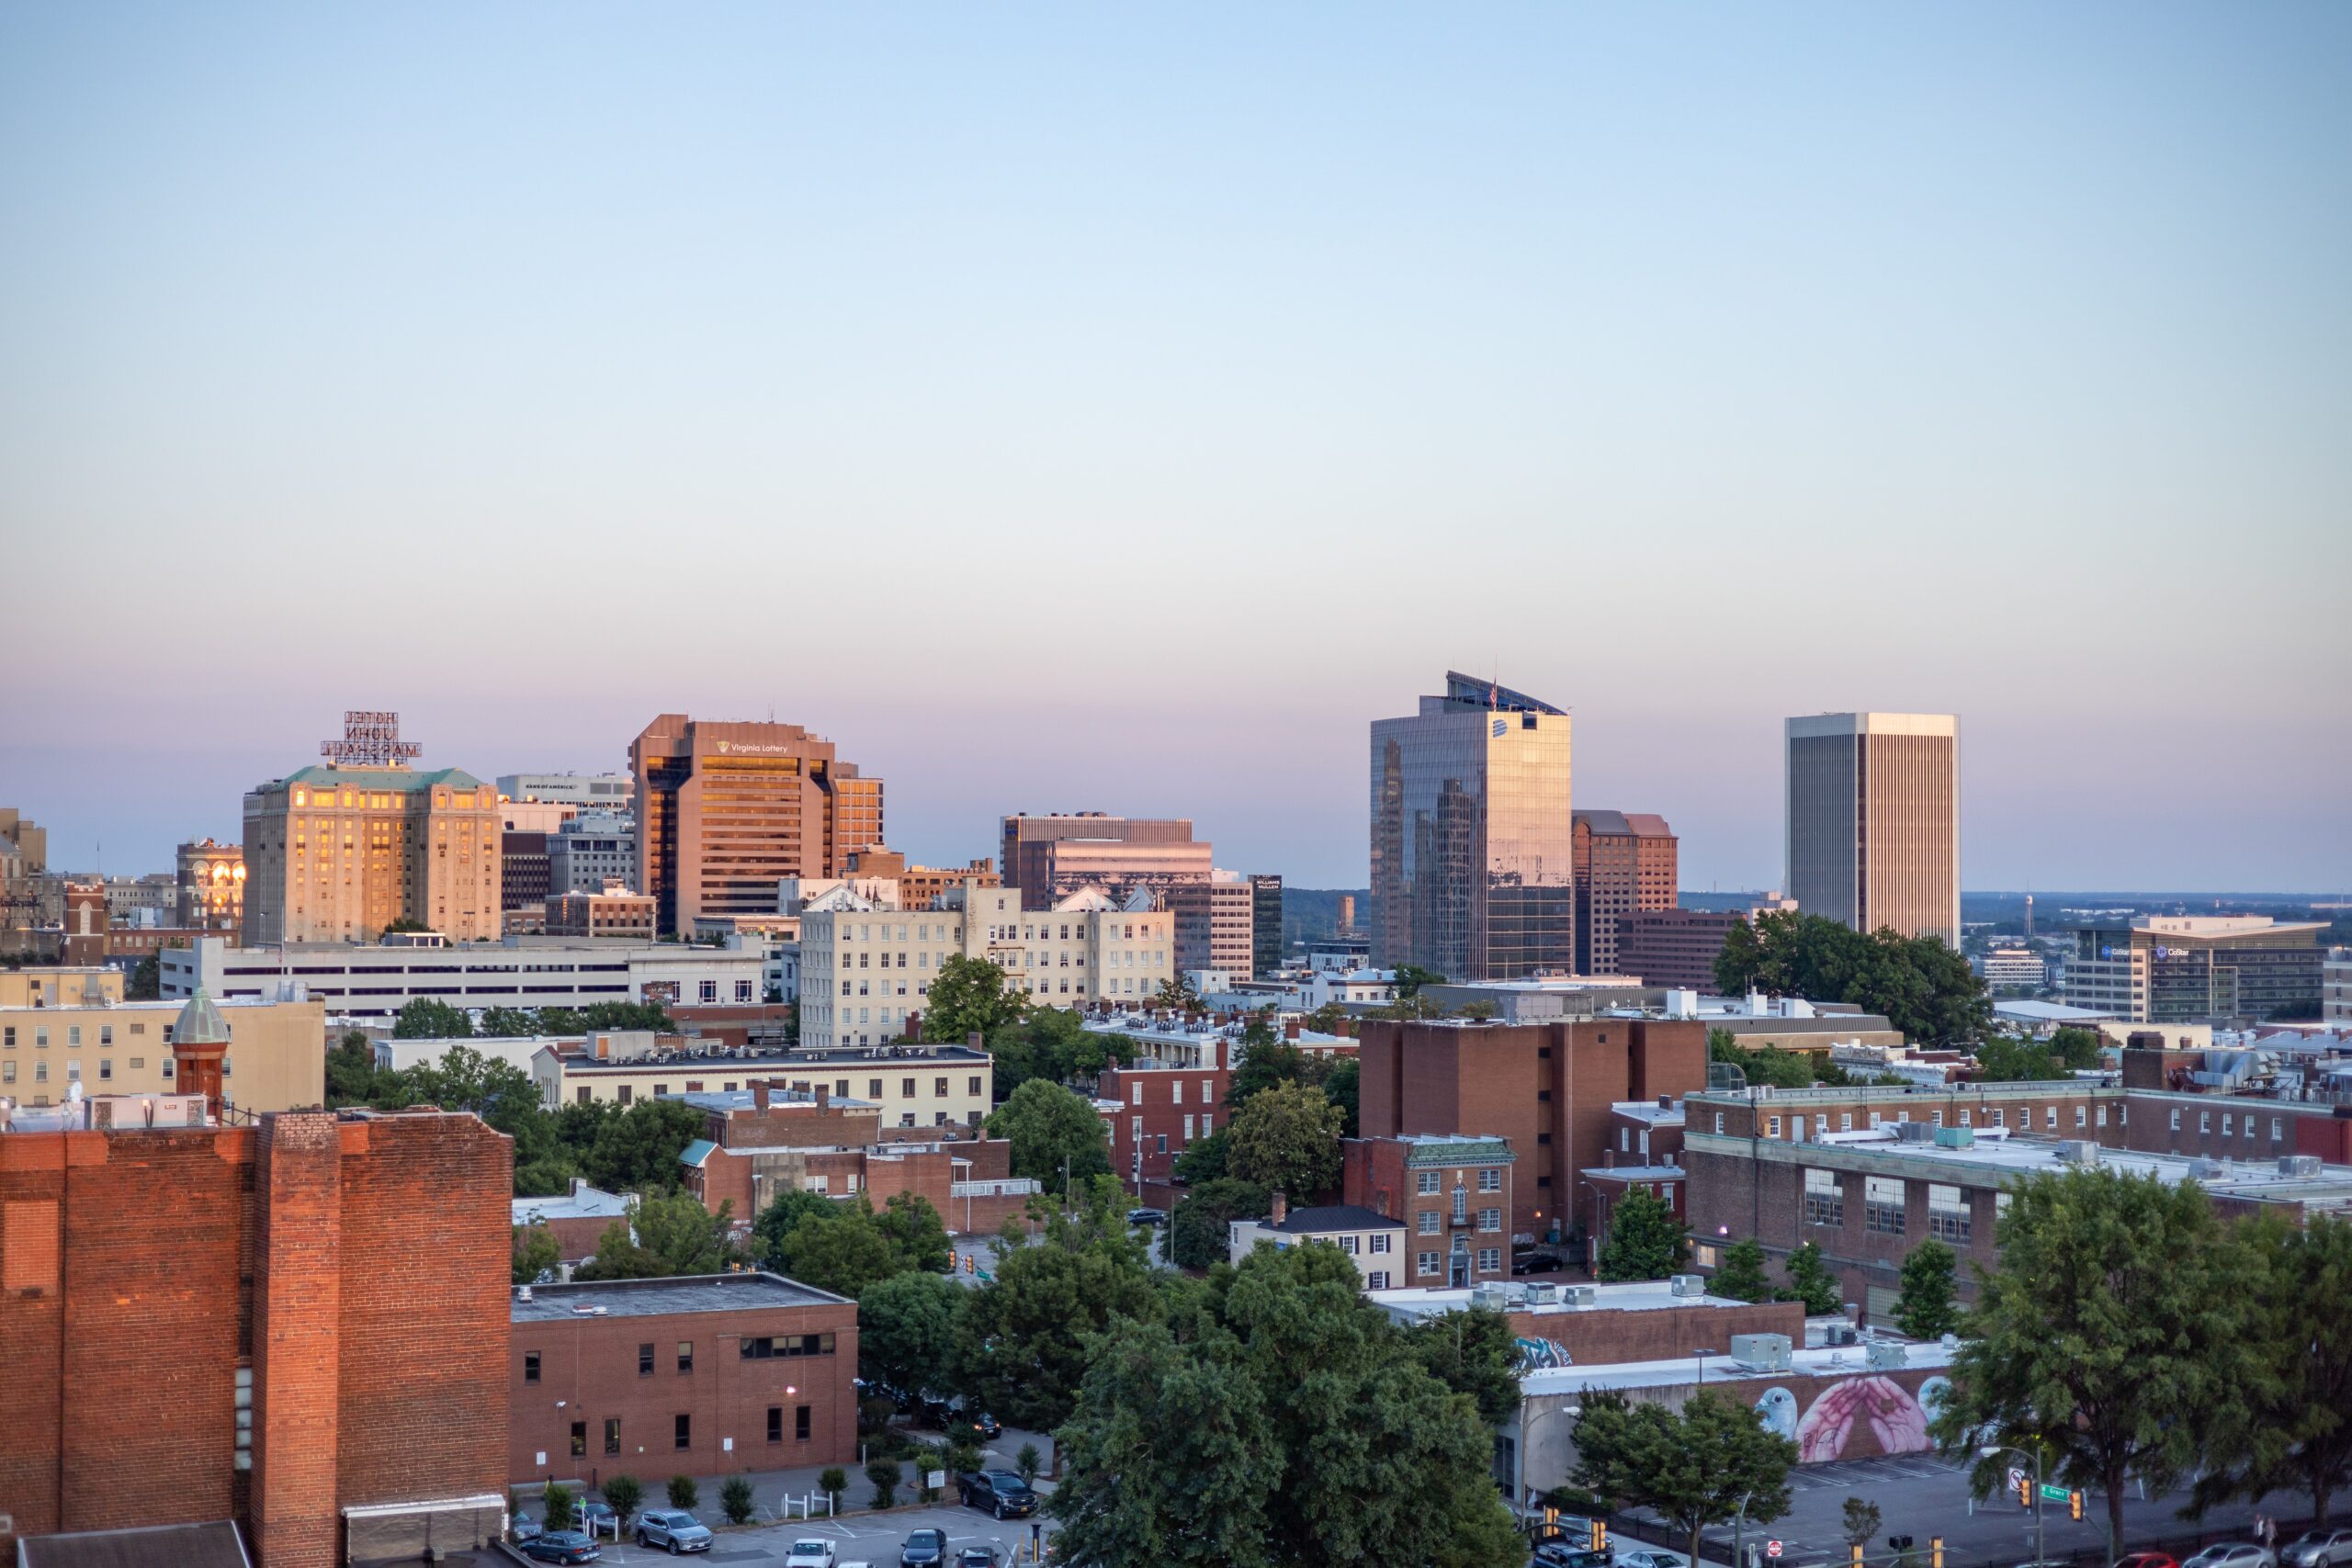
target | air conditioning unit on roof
x=1688, y=1285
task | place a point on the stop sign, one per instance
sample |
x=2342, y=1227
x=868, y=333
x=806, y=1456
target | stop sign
x=1771, y=1549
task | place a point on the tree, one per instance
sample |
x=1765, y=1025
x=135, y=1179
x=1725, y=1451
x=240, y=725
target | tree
x=2007, y=1059
x=425, y=1019
x=1019, y=1343
x=1176, y=994
x=2112, y=1328
x=1645, y=1241
x=684, y=1493
x=1471, y=1351
x=735, y=1498
x=2293, y=1427
x=1926, y=1304
x=1861, y=1521
x=1341, y=1087
x=916, y=1236
x=1047, y=1126
x=509, y=1024
x=844, y=1251
x=1692, y=1467
x=1196, y=1426
x=1811, y=1281
x=1286, y=1138
x=146, y=983
x=1922, y=987
x=966, y=997
x=536, y=1254
x=906, y=1328
x=556, y=1503
x=886, y=1475
x=775, y=1221
x=1198, y=1230
x=1740, y=1275
x=1411, y=978
x=625, y=1494
x=639, y=1149
x=353, y=1077
x=1203, y=1160
x=683, y=1235
x=1764, y=1065
x=617, y=1257
x=1027, y=1463
x=833, y=1481
x=2079, y=1049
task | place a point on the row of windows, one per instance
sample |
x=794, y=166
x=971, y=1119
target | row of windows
x=2086, y=1117
x=682, y=1430
x=2205, y=1124
x=72, y=1034
x=105, y=1069
x=1428, y=1184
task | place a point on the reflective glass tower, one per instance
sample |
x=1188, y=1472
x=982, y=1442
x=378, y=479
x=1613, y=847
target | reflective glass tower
x=1473, y=850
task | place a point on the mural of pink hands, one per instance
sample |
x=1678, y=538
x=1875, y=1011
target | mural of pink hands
x=1894, y=1417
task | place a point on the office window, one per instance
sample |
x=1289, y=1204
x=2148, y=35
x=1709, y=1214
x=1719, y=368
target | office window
x=775, y=1422
x=580, y=1439
x=1490, y=1219
x=2278, y=1128
x=1771, y=1126
x=1490, y=1181
x=1348, y=1244
x=1824, y=1198
x=1719, y=1121
x=1430, y=1221
x=2049, y=1118
x=800, y=1424
x=530, y=1366
x=612, y=1434
x=1188, y=1127
x=1377, y=1279
x=2225, y=1124
x=906, y=1089
x=2204, y=1122
x=1883, y=1204
x=874, y=1088
x=1163, y=1142
x=972, y=1085
x=645, y=1359
x=1844, y=1120
x=1948, y=1216
x=685, y=1355
x=2102, y=1115
x=1425, y=1263
x=1966, y=1115
x=709, y=989
x=1490, y=1259
x=1380, y=1241
x=1426, y=1182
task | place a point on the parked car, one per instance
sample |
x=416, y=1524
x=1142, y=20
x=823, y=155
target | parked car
x=975, y=1557
x=810, y=1554
x=1651, y=1557
x=2318, y=1549
x=1536, y=1263
x=997, y=1492
x=2234, y=1554
x=596, y=1517
x=1560, y=1554
x=924, y=1548
x=1147, y=1216
x=523, y=1526
x=560, y=1546
x=987, y=1425
x=2145, y=1560
x=673, y=1529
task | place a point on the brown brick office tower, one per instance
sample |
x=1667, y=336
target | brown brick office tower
x=1545, y=1087
x=279, y=1324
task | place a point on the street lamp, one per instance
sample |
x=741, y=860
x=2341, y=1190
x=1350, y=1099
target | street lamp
x=2041, y=1528
x=1526, y=1425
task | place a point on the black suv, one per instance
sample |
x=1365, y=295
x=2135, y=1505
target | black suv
x=924, y=1548
x=999, y=1492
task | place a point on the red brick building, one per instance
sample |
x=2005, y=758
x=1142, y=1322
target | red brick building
x=701, y=1375
x=1675, y=948
x=1624, y=863
x=157, y=1284
x=1161, y=1110
x=1453, y=1195
x=1546, y=1088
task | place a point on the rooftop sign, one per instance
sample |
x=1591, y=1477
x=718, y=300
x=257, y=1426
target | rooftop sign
x=371, y=738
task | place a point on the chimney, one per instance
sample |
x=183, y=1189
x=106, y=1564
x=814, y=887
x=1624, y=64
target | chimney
x=1290, y=1030
x=1280, y=1211
x=1666, y=1102
x=760, y=1096
x=976, y=1040
x=824, y=1095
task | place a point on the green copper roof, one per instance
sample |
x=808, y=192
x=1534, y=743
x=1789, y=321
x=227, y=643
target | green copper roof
x=384, y=778
x=199, y=1022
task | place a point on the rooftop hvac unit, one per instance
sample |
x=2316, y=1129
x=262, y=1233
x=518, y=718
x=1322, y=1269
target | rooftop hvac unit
x=1494, y=1296
x=2078, y=1151
x=2298, y=1164
x=2206, y=1169
x=1839, y=1334
x=1883, y=1356
x=1688, y=1285
x=1913, y=1132
x=1581, y=1296
x=1762, y=1352
x=1955, y=1137
x=1542, y=1295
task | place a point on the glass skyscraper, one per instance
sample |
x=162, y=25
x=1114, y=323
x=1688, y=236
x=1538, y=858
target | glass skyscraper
x=1473, y=848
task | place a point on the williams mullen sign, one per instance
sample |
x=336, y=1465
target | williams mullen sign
x=370, y=740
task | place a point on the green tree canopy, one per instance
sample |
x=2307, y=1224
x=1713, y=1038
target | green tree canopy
x=637, y=1150
x=1740, y=1275
x=1203, y=1160
x=1645, y=1241
x=1342, y=1087
x=1266, y=1063
x=1287, y=1139
x=536, y=1254
x=1811, y=1281
x=425, y=1019
x=1019, y=1346
x=2114, y=1327
x=1692, y=1467
x=968, y=997
x=1198, y=1232
x=917, y=1235
x=847, y=1250
x=1046, y=1126
x=1926, y=1300
x=906, y=1329
x=686, y=1237
x=2292, y=1428
x=775, y=1221
x=1922, y=986
x=1472, y=1351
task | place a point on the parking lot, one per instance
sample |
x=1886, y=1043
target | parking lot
x=856, y=1537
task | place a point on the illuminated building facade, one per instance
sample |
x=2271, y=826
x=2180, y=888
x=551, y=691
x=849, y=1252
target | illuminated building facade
x=211, y=882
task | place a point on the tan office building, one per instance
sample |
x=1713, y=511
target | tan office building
x=1214, y=926
x=725, y=811
x=1626, y=864
x=1873, y=820
x=277, y=1058
x=1050, y=857
x=337, y=854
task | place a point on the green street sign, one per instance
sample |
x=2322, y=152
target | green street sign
x=2055, y=1494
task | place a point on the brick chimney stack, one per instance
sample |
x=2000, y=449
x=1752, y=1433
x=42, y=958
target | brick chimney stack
x=1280, y=1211
x=760, y=1096
x=824, y=1095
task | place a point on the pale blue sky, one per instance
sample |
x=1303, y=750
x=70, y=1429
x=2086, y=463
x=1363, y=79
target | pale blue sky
x=1102, y=407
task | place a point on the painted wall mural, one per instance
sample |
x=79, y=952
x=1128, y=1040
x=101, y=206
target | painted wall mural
x=1834, y=1425
x=1537, y=1355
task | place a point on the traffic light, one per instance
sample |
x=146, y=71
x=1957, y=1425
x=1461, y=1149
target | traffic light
x=971, y=1262
x=2075, y=1504
x=2025, y=1491
x=1935, y=1551
x=1600, y=1541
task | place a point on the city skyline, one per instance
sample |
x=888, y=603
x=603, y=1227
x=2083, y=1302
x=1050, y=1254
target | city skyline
x=1700, y=373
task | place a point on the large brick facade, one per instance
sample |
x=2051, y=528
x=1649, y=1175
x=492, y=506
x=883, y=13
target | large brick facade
x=1161, y=1109
x=140, y=1271
x=1545, y=1087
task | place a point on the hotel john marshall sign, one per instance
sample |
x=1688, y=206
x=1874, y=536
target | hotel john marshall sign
x=370, y=740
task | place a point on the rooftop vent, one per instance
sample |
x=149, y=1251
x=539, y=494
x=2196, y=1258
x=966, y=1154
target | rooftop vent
x=1883, y=1355
x=2078, y=1151
x=2298, y=1164
x=1687, y=1285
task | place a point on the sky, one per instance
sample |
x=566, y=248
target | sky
x=1118, y=408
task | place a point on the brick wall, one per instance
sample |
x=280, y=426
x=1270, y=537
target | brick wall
x=1164, y=1100
x=2214, y=1126
x=1656, y=1334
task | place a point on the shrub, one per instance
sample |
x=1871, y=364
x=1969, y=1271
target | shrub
x=832, y=1483
x=735, y=1498
x=558, y=1502
x=885, y=1473
x=684, y=1493
x=626, y=1494
x=1028, y=1462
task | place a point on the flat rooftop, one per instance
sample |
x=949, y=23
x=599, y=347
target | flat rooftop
x=658, y=1298
x=581, y=1204
x=1802, y=1364
x=778, y=1100
x=1649, y=1110
x=1640, y=1295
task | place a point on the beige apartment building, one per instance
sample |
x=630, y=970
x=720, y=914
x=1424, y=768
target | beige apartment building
x=913, y=1085
x=865, y=971
x=614, y=913
x=337, y=854
x=725, y=811
x=277, y=1058
x=1873, y=820
x=49, y=986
